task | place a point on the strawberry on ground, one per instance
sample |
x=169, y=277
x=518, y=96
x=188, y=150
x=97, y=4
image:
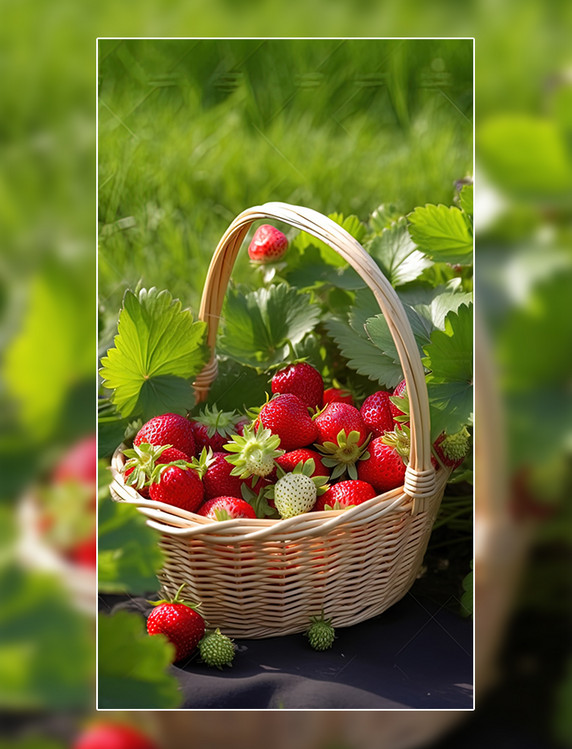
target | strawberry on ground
x=268, y=245
x=345, y=494
x=180, y=487
x=226, y=508
x=376, y=413
x=338, y=395
x=168, y=429
x=287, y=417
x=384, y=466
x=111, y=735
x=303, y=380
x=179, y=622
x=342, y=436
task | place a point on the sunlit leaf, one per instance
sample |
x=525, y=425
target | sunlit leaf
x=397, y=255
x=157, y=350
x=442, y=233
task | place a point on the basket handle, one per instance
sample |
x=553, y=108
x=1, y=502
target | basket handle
x=420, y=475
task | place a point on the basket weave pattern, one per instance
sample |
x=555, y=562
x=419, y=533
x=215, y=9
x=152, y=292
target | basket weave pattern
x=262, y=578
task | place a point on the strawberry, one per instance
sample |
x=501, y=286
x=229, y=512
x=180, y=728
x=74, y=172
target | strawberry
x=216, y=649
x=345, y=494
x=290, y=460
x=179, y=622
x=400, y=391
x=108, y=735
x=321, y=634
x=452, y=449
x=338, y=395
x=84, y=553
x=287, y=417
x=168, y=429
x=217, y=478
x=383, y=465
x=142, y=461
x=296, y=492
x=376, y=413
x=242, y=422
x=302, y=380
x=180, y=487
x=268, y=245
x=255, y=452
x=226, y=508
x=342, y=437
x=79, y=464
x=213, y=428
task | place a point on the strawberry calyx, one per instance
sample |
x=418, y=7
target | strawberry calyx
x=400, y=440
x=217, y=421
x=259, y=502
x=343, y=455
x=401, y=413
x=177, y=599
x=141, y=465
x=452, y=448
x=255, y=452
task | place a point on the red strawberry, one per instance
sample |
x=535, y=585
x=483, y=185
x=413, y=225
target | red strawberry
x=213, y=428
x=268, y=245
x=289, y=461
x=79, y=463
x=286, y=416
x=181, y=624
x=107, y=735
x=168, y=429
x=217, y=480
x=338, y=395
x=176, y=486
x=142, y=462
x=376, y=413
x=345, y=494
x=384, y=469
x=342, y=437
x=84, y=553
x=226, y=508
x=399, y=392
x=240, y=424
x=302, y=380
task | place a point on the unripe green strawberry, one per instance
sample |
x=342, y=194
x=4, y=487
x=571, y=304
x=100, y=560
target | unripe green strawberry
x=255, y=452
x=216, y=649
x=321, y=634
x=294, y=494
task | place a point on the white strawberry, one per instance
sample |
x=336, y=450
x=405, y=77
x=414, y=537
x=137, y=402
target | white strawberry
x=296, y=492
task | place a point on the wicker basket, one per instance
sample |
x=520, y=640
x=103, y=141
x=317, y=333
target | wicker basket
x=263, y=578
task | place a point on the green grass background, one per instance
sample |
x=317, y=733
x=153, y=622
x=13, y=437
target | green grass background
x=191, y=132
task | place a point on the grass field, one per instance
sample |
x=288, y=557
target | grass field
x=191, y=132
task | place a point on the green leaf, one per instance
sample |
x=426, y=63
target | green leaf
x=237, y=386
x=466, y=199
x=158, y=349
x=128, y=551
x=442, y=233
x=383, y=216
x=449, y=356
x=133, y=666
x=396, y=254
x=259, y=327
x=363, y=354
x=51, y=352
x=46, y=651
x=32, y=742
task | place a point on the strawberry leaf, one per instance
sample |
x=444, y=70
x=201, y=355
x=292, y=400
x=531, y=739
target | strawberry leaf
x=259, y=328
x=397, y=255
x=157, y=350
x=466, y=199
x=449, y=356
x=442, y=233
x=133, y=666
